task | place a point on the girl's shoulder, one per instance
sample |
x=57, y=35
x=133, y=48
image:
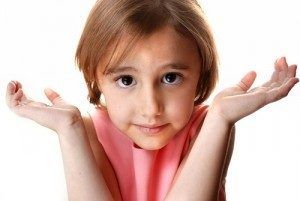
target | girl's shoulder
x=198, y=116
x=197, y=120
x=98, y=113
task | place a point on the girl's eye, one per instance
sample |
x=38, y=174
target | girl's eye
x=172, y=78
x=126, y=81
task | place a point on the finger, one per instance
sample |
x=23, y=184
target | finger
x=10, y=91
x=247, y=81
x=280, y=64
x=15, y=99
x=283, y=69
x=278, y=93
x=283, y=63
x=275, y=76
x=16, y=84
x=53, y=96
x=276, y=66
x=281, y=76
x=18, y=87
x=292, y=71
x=12, y=88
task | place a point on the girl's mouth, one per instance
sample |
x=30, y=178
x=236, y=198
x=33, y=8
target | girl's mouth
x=151, y=129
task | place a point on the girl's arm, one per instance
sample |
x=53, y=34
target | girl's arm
x=83, y=177
x=199, y=176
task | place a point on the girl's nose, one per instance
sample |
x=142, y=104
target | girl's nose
x=151, y=103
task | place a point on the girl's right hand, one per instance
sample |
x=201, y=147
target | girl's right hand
x=58, y=116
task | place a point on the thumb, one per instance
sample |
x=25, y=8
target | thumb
x=53, y=96
x=247, y=81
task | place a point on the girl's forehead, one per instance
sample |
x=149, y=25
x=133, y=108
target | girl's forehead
x=162, y=45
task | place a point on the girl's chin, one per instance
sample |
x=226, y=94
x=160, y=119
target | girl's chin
x=149, y=146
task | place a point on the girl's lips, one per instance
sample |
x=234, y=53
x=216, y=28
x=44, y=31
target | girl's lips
x=151, y=129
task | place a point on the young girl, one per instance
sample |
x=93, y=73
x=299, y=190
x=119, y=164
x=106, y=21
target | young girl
x=149, y=65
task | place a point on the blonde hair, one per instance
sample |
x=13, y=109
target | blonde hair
x=110, y=19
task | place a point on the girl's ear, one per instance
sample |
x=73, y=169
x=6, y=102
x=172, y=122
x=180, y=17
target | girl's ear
x=102, y=100
x=99, y=87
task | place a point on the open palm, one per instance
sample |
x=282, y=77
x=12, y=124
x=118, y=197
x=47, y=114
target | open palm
x=238, y=101
x=57, y=116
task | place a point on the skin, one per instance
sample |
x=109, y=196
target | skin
x=149, y=98
x=151, y=101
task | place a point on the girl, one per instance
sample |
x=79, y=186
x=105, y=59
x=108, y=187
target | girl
x=149, y=66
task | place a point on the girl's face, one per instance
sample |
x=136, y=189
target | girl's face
x=150, y=95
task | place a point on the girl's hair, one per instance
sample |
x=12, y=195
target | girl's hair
x=109, y=20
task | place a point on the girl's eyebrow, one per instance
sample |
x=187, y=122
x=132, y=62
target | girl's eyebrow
x=120, y=69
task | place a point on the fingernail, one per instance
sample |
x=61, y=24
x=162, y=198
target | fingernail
x=48, y=90
x=278, y=60
x=281, y=59
x=12, y=83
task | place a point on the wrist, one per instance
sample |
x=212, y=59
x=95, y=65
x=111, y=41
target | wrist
x=76, y=129
x=216, y=116
x=72, y=121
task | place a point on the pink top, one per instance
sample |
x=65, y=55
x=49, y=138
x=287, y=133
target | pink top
x=145, y=175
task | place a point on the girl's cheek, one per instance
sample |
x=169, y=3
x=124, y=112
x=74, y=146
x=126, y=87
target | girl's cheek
x=121, y=109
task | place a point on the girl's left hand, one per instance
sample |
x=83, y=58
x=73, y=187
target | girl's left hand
x=234, y=103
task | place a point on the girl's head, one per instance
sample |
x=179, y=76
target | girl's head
x=153, y=60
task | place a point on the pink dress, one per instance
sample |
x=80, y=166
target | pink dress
x=145, y=175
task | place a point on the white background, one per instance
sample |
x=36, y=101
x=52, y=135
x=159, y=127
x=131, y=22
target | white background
x=38, y=40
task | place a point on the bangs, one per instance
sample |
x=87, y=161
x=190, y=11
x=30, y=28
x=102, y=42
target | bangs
x=119, y=48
